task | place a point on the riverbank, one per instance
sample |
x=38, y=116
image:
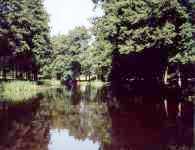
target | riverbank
x=18, y=91
x=96, y=83
x=23, y=91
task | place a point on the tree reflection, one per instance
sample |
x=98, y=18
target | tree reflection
x=115, y=122
x=140, y=123
x=22, y=127
x=81, y=115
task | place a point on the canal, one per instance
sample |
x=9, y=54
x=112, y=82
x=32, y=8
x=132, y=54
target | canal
x=90, y=118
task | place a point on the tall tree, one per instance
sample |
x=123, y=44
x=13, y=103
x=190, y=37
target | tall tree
x=13, y=27
x=131, y=26
x=40, y=38
x=68, y=49
x=24, y=35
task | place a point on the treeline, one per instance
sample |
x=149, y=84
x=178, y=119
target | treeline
x=133, y=26
x=24, y=39
x=75, y=54
x=26, y=49
x=126, y=27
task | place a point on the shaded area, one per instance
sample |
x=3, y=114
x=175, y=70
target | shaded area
x=22, y=127
x=89, y=114
x=133, y=72
x=29, y=126
x=141, y=126
x=150, y=73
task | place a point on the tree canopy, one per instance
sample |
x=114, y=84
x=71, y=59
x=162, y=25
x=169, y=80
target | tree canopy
x=24, y=35
x=127, y=26
x=131, y=26
x=69, y=49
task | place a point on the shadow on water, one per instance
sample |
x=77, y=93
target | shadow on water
x=95, y=119
x=146, y=126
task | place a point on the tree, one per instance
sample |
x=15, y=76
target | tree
x=24, y=39
x=13, y=16
x=132, y=26
x=39, y=37
x=68, y=50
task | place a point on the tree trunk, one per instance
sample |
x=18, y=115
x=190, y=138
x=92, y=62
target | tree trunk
x=89, y=76
x=4, y=74
x=86, y=77
x=28, y=76
x=165, y=78
x=17, y=73
x=165, y=82
x=0, y=74
x=179, y=82
x=35, y=76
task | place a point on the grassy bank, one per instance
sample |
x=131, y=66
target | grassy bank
x=18, y=91
x=95, y=83
x=22, y=91
x=49, y=82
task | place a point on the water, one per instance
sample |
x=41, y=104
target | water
x=89, y=118
x=60, y=139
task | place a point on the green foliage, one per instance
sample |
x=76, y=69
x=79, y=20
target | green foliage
x=86, y=120
x=24, y=32
x=133, y=25
x=12, y=31
x=67, y=49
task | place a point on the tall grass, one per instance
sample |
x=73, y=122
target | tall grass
x=49, y=82
x=18, y=91
x=95, y=83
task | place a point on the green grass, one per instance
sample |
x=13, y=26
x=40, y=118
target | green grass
x=18, y=91
x=95, y=83
x=49, y=82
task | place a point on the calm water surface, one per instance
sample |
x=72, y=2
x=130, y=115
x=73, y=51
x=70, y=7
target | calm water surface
x=88, y=118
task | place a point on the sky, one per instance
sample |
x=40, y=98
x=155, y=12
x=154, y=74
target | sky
x=67, y=14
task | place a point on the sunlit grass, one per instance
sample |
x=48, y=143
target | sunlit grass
x=49, y=82
x=18, y=91
x=95, y=83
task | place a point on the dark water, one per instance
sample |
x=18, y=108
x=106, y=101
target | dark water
x=88, y=118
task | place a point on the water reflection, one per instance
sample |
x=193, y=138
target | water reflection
x=93, y=119
x=60, y=139
x=146, y=126
x=23, y=127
